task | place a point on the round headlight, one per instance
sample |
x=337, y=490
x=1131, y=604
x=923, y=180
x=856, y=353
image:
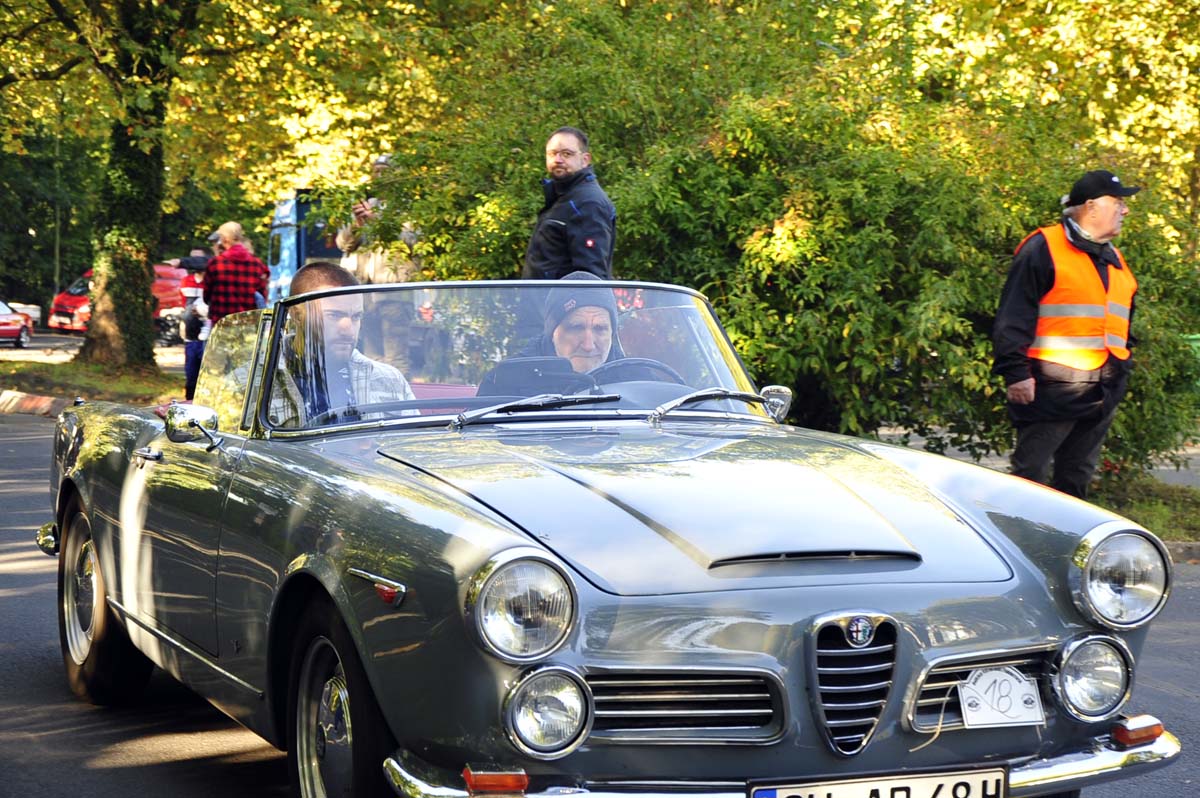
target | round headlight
x=1093, y=679
x=525, y=609
x=547, y=713
x=1124, y=579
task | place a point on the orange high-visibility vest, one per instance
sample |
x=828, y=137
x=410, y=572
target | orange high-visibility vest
x=1079, y=323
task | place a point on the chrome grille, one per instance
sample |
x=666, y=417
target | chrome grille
x=684, y=702
x=937, y=702
x=850, y=686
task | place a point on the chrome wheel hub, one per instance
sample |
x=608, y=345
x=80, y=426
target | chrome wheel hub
x=80, y=594
x=324, y=740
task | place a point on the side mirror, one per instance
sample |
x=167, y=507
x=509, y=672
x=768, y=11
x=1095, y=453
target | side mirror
x=779, y=401
x=187, y=423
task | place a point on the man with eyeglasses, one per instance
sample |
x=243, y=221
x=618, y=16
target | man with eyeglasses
x=576, y=227
x=1062, y=335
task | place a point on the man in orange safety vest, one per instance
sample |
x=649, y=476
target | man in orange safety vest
x=1062, y=335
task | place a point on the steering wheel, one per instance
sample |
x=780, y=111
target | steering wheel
x=635, y=362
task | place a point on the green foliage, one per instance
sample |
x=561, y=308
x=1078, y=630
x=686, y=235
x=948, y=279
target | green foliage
x=846, y=181
x=55, y=178
x=847, y=199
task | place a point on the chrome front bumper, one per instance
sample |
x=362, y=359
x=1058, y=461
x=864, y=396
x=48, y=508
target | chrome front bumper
x=1103, y=762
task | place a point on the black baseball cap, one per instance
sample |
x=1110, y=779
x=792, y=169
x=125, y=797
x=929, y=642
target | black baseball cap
x=1098, y=183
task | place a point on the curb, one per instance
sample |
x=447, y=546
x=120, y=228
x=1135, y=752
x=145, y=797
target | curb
x=1185, y=551
x=19, y=402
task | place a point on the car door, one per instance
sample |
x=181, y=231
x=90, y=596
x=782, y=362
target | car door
x=185, y=488
x=187, y=484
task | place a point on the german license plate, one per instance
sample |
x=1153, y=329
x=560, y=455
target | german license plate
x=991, y=783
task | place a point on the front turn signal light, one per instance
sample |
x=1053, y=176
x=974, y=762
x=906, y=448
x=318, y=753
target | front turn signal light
x=482, y=780
x=1138, y=730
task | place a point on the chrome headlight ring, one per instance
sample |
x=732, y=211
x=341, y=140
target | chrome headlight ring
x=1061, y=668
x=518, y=710
x=1089, y=554
x=479, y=599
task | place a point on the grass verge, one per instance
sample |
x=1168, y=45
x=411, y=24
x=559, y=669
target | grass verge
x=1170, y=511
x=70, y=379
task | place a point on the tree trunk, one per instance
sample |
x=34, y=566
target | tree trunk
x=121, y=331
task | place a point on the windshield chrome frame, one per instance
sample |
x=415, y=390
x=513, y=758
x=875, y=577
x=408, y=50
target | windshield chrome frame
x=280, y=311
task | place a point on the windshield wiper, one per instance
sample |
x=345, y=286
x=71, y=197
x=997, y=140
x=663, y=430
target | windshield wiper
x=703, y=394
x=540, y=402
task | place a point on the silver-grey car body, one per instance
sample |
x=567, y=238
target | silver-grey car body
x=500, y=574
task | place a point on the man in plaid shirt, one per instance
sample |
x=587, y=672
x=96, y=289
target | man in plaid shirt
x=234, y=276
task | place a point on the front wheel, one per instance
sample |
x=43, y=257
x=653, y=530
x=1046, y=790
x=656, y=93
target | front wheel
x=22, y=338
x=102, y=665
x=337, y=737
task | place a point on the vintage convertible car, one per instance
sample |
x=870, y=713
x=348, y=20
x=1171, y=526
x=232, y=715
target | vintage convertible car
x=545, y=539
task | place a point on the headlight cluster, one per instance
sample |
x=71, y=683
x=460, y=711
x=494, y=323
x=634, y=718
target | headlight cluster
x=1122, y=577
x=1092, y=678
x=524, y=609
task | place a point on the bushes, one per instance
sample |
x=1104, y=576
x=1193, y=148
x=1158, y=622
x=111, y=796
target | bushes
x=853, y=234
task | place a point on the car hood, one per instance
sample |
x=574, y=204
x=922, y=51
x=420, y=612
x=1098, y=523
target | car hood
x=639, y=510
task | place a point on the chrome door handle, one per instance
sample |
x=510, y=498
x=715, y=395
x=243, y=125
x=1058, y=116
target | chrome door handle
x=146, y=453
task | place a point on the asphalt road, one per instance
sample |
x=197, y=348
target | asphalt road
x=171, y=744
x=174, y=744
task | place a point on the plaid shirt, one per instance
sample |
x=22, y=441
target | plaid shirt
x=231, y=280
x=369, y=381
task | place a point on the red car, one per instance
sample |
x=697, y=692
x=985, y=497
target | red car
x=15, y=326
x=71, y=309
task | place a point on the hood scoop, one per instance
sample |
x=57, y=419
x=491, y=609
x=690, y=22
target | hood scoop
x=806, y=556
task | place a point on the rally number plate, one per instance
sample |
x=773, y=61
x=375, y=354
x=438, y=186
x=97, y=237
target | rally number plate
x=991, y=783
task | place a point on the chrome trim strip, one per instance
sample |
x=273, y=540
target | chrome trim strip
x=1103, y=762
x=191, y=652
x=375, y=579
x=682, y=713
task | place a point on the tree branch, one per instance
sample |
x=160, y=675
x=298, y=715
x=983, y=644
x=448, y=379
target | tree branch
x=41, y=74
x=67, y=20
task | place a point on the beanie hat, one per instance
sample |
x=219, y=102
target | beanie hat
x=573, y=292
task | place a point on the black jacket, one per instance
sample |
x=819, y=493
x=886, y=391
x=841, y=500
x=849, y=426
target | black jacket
x=1062, y=392
x=575, y=230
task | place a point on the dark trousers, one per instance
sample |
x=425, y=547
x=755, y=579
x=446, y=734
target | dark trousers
x=193, y=353
x=1072, y=445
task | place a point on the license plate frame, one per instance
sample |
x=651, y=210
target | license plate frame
x=983, y=783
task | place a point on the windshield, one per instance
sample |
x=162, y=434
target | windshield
x=80, y=287
x=411, y=352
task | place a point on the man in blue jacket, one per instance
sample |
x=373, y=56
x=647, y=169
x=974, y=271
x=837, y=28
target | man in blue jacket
x=576, y=227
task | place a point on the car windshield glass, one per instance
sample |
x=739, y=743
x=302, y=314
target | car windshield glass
x=80, y=287
x=429, y=351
